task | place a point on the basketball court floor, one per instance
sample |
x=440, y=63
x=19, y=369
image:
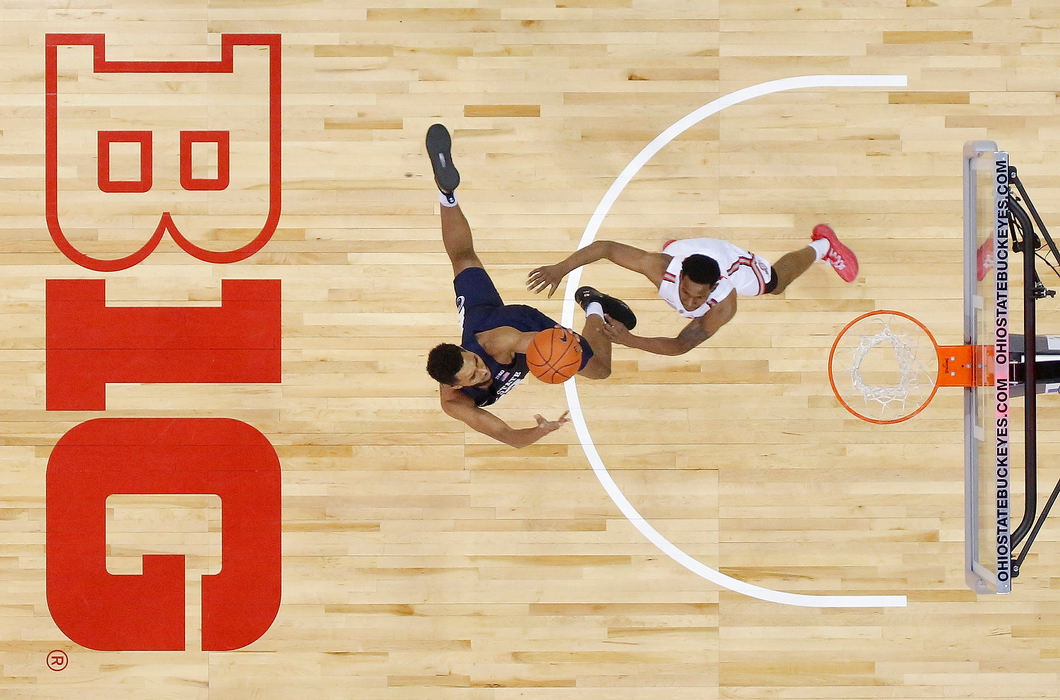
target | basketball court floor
x=223, y=270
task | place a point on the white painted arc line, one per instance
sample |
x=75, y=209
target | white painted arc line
x=567, y=319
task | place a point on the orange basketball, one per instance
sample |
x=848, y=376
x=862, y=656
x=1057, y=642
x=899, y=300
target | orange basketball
x=554, y=355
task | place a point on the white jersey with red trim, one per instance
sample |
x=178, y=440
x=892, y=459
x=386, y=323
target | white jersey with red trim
x=741, y=270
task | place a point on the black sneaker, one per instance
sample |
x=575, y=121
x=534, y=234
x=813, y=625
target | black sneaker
x=445, y=174
x=615, y=308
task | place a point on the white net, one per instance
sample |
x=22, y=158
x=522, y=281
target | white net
x=884, y=367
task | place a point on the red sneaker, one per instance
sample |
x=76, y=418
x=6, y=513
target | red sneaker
x=984, y=257
x=840, y=257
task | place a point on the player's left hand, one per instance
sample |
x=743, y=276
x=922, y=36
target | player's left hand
x=545, y=276
x=616, y=331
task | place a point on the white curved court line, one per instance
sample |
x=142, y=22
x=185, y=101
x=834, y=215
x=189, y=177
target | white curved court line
x=567, y=319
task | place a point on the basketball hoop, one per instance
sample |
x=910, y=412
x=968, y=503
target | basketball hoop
x=885, y=366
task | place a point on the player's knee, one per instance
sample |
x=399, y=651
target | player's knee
x=463, y=261
x=781, y=285
x=596, y=369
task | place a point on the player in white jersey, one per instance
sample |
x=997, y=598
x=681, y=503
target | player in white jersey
x=700, y=278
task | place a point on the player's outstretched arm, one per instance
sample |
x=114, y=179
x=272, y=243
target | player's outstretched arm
x=687, y=339
x=462, y=408
x=651, y=265
x=692, y=335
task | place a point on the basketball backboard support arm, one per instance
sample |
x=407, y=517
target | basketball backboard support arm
x=1030, y=458
x=1014, y=176
x=1037, y=526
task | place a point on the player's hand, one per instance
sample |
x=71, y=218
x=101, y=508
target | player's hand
x=545, y=276
x=573, y=332
x=549, y=425
x=616, y=331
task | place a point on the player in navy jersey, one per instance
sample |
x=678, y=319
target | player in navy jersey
x=491, y=357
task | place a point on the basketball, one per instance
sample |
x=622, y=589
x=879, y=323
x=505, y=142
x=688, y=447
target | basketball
x=554, y=355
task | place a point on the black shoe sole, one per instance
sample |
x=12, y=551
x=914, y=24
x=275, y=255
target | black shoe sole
x=615, y=308
x=439, y=144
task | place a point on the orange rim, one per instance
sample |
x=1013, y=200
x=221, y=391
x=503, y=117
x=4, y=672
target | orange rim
x=831, y=379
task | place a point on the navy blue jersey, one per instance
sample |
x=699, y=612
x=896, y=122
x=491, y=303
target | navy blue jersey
x=481, y=309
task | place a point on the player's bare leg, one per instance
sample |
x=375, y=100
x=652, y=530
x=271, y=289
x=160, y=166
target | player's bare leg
x=599, y=365
x=456, y=237
x=791, y=266
x=456, y=232
x=825, y=246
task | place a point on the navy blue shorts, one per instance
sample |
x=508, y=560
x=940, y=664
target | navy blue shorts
x=481, y=309
x=475, y=288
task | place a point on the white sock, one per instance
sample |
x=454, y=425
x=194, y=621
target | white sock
x=594, y=309
x=821, y=246
x=447, y=200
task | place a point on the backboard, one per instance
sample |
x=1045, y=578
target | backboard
x=988, y=555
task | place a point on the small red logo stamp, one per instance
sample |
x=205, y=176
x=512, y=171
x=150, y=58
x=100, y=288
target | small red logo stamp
x=57, y=660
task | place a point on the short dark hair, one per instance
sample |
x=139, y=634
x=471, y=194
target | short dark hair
x=444, y=361
x=701, y=269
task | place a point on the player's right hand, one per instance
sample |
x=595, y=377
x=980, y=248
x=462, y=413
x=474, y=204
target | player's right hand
x=616, y=331
x=550, y=425
x=545, y=276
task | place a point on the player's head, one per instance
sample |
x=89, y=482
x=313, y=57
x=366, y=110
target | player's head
x=699, y=277
x=451, y=364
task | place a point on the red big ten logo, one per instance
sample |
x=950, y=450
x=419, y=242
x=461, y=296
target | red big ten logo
x=99, y=172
